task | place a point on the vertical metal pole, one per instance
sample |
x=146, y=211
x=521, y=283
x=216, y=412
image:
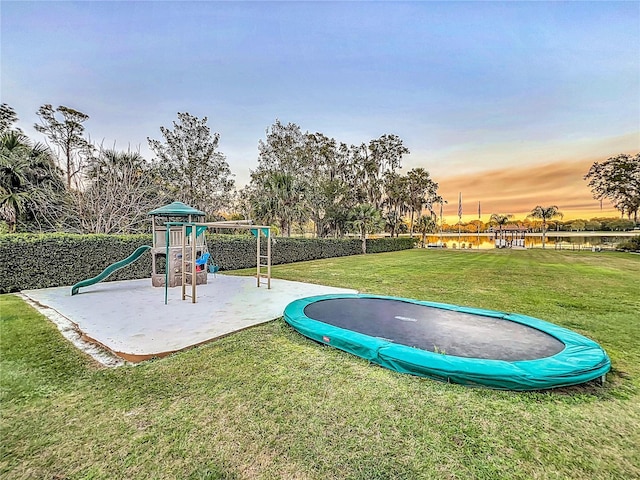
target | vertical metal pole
x=194, y=279
x=459, y=215
x=166, y=263
x=183, y=261
x=258, y=233
x=268, y=258
x=440, y=224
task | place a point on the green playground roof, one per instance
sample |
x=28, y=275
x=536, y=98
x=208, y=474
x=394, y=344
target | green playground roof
x=176, y=209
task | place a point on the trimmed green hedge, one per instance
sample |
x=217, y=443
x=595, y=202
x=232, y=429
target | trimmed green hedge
x=30, y=261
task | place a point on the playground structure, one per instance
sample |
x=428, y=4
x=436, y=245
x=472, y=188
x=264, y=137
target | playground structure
x=193, y=250
x=180, y=255
x=167, y=254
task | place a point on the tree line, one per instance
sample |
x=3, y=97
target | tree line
x=70, y=184
x=302, y=180
x=596, y=224
x=306, y=177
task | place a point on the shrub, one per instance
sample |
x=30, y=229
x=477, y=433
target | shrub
x=631, y=245
x=49, y=260
x=380, y=245
x=30, y=261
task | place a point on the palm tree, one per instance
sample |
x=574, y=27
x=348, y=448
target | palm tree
x=500, y=219
x=393, y=222
x=12, y=205
x=422, y=193
x=426, y=224
x=28, y=177
x=280, y=198
x=366, y=219
x=544, y=214
x=396, y=201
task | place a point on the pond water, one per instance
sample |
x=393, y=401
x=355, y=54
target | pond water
x=554, y=240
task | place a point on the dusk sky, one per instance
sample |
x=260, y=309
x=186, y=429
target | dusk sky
x=507, y=102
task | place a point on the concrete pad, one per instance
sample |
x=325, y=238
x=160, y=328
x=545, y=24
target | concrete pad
x=130, y=319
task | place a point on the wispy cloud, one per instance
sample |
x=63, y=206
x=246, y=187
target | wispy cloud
x=518, y=190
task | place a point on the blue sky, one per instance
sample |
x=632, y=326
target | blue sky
x=471, y=87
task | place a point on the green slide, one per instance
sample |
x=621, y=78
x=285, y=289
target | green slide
x=110, y=269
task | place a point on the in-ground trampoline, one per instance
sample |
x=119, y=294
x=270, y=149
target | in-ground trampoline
x=450, y=343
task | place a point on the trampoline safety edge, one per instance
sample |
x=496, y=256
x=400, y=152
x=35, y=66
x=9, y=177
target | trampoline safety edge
x=577, y=359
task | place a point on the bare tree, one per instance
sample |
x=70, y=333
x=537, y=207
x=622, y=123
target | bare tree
x=67, y=137
x=121, y=190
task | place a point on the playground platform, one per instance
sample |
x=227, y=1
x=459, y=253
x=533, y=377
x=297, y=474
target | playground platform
x=128, y=321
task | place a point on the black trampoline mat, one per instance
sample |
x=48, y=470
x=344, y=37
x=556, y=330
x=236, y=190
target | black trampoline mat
x=435, y=329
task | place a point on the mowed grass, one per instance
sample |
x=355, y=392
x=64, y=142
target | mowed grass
x=268, y=403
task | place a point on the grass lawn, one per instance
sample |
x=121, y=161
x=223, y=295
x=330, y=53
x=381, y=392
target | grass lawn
x=268, y=403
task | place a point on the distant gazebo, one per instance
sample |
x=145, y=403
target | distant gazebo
x=509, y=236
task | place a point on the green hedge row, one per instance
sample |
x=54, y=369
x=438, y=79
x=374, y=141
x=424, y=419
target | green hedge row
x=235, y=252
x=31, y=261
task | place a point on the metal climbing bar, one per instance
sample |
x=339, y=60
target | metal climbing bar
x=191, y=232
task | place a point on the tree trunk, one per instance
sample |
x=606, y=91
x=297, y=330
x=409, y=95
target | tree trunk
x=364, y=241
x=411, y=227
x=68, y=172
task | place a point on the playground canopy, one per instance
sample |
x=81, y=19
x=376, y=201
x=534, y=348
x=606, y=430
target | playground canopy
x=176, y=209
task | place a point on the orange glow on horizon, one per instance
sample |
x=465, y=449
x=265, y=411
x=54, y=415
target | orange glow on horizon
x=518, y=190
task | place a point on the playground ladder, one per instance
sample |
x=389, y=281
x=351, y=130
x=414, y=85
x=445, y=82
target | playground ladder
x=190, y=232
x=189, y=264
x=263, y=261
